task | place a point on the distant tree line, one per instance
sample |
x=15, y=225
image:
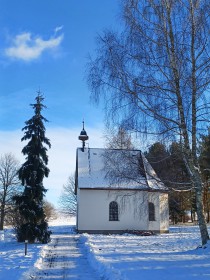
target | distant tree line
x=170, y=168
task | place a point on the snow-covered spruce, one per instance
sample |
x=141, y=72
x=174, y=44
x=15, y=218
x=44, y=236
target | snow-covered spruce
x=30, y=223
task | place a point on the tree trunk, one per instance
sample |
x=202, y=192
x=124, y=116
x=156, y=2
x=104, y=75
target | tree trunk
x=3, y=210
x=2, y=218
x=199, y=208
x=191, y=215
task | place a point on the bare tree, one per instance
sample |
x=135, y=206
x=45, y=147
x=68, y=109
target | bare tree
x=9, y=185
x=155, y=76
x=49, y=210
x=68, y=199
x=119, y=139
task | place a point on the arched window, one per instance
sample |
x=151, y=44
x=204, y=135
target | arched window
x=151, y=211
x=113, y=211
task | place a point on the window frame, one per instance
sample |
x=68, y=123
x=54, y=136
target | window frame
x=151, y=211
x=113, y=211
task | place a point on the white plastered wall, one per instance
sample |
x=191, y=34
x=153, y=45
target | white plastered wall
x=154, y=198
x=161, y=222
x=164, y=212
x=93, y=210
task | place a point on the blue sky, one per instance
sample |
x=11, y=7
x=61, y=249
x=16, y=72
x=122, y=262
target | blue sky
x=44, y=45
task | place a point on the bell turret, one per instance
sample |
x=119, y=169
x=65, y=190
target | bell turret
x=83, y=137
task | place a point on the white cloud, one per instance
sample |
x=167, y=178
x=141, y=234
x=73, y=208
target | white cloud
x=26, y=47
x=62, y=155
x=58, y=28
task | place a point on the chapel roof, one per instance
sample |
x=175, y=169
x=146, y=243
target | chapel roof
x=99, y=168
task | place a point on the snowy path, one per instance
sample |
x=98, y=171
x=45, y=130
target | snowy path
x=112, y=257
x=63, y=258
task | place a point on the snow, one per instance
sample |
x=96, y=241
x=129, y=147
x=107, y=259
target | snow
x=109, y=257
x=152, y=178
x=92, y=170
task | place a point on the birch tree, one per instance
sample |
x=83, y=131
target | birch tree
x=154, y=76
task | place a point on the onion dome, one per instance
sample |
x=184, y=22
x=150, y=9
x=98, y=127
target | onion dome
x=83, y=136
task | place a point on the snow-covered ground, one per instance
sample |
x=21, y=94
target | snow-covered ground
x=108, y=257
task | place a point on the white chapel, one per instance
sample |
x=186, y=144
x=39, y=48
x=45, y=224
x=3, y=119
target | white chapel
x=118, y=191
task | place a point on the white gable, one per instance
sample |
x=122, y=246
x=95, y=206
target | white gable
x=95, y=170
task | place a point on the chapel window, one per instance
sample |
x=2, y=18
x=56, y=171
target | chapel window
x=151, y=211
x=113, y=211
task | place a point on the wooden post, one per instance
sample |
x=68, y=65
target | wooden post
x=26, y=247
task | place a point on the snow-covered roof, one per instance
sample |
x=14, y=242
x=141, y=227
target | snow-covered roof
x=115, y=169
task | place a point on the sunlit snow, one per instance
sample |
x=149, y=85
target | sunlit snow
x=109, y=257
x=92, y=170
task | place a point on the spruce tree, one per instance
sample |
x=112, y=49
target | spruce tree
x=32, y=224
